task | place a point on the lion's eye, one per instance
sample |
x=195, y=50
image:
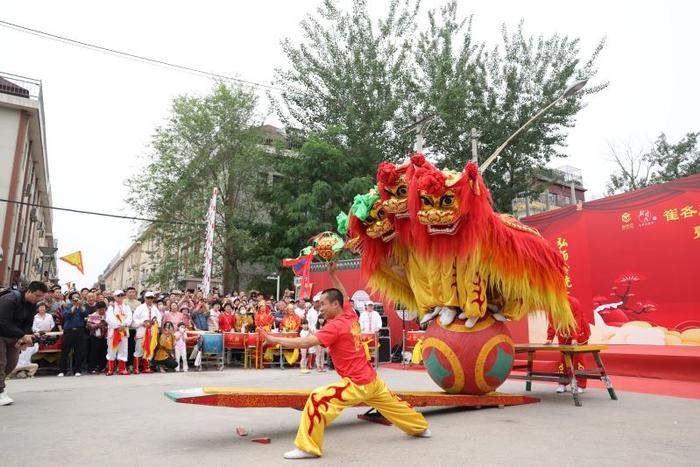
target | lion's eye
x=427, y=201
x=380, y=214
x=402, y=191
x=447, y=200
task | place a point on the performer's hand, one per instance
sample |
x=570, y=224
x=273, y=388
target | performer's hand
x=332, y=268
x=268, y=338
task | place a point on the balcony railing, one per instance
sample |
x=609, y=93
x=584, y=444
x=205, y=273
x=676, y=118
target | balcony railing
x=544, y=202
x=20, y=86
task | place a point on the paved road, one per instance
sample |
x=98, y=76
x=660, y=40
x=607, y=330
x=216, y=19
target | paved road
x=126, y=421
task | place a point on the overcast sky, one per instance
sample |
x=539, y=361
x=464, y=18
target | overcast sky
x=101, y=110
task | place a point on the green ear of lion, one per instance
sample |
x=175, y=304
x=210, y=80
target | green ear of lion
x=342, y=221
x=362, y=204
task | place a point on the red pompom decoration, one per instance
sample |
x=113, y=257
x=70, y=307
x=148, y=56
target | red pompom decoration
x=472, y=170
x=418, y=159
x=387, y=174
x=432, y=181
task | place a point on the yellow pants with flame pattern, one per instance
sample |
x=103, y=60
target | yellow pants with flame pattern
x=327, y=402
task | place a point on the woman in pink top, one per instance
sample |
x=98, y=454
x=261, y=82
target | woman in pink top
x=177, y=316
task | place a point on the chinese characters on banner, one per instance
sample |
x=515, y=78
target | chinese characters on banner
x=562, y=244
x=686, y=212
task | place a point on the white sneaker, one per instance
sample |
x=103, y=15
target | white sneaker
x=186, y=370
x=424, y=434
x=177, y=370
x=60, y=375
x=78, y=374
x=499, y=317
x=297, y=453
x=580, y=390
x=471, y=322
x=561, y=388
x=447, y=315
x=5, y=399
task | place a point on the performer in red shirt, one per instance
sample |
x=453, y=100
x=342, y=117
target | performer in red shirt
x=360, y=383
x=579, y=336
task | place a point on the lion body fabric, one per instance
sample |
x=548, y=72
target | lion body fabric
x=432, y=239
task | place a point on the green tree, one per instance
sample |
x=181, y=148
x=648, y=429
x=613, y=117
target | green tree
x=208, y=141
x=314, y=185
x=661, y=163
x=350, y=79
x=361, y=83
x=496, y=91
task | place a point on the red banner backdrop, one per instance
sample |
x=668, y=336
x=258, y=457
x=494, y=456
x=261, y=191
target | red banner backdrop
x=634, y=262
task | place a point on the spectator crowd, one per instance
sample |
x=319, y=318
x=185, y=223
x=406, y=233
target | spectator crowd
x=124, y=331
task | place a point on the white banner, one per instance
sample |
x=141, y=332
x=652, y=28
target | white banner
x=209, y=244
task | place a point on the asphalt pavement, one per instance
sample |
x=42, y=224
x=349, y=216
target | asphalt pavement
x=127, y=421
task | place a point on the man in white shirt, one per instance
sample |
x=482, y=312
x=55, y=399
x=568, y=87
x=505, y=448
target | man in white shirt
x=312, y=313
x=146, y=320
x=299, y=309
x=370, y=321
x=118, y=319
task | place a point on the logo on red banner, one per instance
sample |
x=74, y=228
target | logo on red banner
x=645, y=217
x=627, y=221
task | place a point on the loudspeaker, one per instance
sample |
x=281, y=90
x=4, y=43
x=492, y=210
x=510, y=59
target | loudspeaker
x=384, y=349
x=384, y=332
x=385, y=321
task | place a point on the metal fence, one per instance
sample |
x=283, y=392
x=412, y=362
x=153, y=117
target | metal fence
x=20, y=86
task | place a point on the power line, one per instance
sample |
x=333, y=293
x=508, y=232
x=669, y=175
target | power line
x=141, y=58
x=104, y=214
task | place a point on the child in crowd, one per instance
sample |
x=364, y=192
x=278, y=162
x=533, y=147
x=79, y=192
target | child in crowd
x=305, y=332
x=320, y=350
x=181, y=347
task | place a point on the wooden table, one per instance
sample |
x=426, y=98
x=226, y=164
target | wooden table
x=568, y=352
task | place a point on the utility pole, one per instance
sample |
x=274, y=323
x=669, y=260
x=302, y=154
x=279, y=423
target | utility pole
x=474, y=136
x=421, y=125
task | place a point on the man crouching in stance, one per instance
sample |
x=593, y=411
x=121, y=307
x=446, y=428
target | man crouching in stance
x=360, y=383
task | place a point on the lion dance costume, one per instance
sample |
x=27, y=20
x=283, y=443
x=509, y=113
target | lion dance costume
x=431, y=241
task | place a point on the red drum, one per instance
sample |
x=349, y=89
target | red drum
x=235, y=340
x=252, y=339
x=370, y=338
x=412, y=338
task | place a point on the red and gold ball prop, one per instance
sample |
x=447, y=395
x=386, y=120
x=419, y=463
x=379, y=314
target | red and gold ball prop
x=327, y=245
x=468, y=361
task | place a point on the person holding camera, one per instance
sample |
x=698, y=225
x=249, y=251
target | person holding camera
x=16, y=318
x=73, y=331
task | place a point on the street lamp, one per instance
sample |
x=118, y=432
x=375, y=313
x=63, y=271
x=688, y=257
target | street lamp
x=275, y=277
x=568, y=92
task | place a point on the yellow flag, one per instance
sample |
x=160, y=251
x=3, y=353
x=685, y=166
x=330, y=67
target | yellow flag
x=74, y=259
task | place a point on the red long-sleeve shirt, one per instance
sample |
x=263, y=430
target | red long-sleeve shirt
x=583, y=330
